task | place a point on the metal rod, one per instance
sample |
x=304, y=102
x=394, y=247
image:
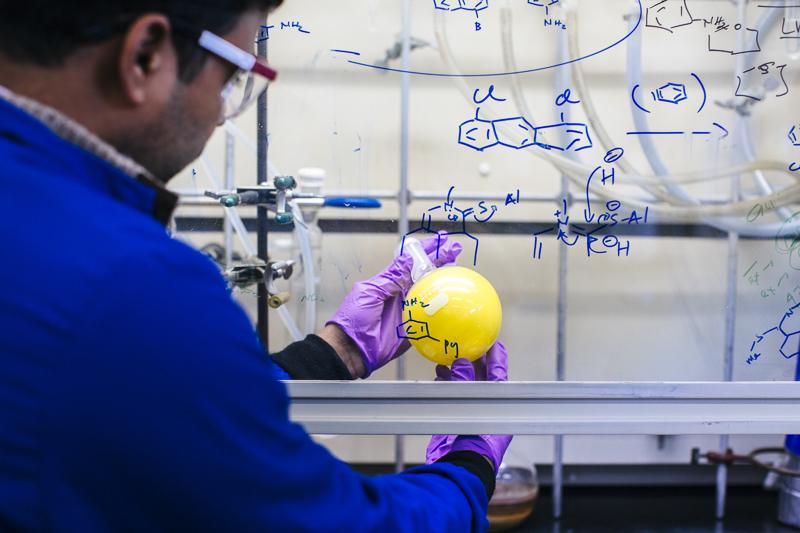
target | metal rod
x=193, y=197
x=262, y=151
x=730, y=301
x=562, y=81
x=722, y=482
x=558, y=476
x=230, y=163
x=561, y=352
x=405, y=90
x=360, y=226
x=730, y=335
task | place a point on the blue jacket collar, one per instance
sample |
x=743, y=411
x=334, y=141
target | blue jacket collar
x=29, y=129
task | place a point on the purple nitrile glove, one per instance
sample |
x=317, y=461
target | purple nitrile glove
x=373, y=309
x=491, y=367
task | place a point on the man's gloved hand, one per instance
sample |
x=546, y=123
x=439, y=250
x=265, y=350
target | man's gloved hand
x=373, y=309
x=491, y=367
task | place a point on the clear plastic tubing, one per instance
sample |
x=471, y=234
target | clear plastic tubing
x=301, y=233
x=422, y=263
x=250, y=249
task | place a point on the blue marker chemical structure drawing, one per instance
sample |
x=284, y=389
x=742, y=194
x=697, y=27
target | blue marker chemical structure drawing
x=598, y=241
x=476, y=6
x=671, y=93
x=794, y=139
x=461, y=5
x=546, y=4
x=288, y=25
x=482, y=212
x=794, y=135
x=549, y=21
x=610, y=39
x=571, y=137
x=518, y=133
x=674, y=94
x=718, y=129
x=478, y=134
x=784, y=338
x=564, y=136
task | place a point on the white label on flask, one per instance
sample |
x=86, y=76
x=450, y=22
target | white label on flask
x=436, y=303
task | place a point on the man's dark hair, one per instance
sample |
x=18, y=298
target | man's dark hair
x=46, y=32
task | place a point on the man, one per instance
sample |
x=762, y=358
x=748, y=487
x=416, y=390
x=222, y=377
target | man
x=134, y=395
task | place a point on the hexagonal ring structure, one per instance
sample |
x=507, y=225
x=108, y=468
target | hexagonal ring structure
x=461, y=5
x=671, y=93
x=478, y=134
x=516, y=133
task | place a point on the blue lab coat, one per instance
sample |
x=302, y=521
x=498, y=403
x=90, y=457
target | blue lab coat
x=134, y=395
x=793, y=441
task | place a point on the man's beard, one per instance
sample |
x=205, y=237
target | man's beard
x=168, y=145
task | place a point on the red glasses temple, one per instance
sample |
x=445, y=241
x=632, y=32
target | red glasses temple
x=262, y=69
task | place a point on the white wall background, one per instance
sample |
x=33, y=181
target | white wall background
x=656, y=315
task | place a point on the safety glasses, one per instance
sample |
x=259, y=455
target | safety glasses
x=249, y=82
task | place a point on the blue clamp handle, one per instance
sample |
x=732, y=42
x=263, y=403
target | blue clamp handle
x=360, y=203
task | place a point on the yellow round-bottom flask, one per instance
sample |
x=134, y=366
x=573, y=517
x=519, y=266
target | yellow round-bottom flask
x=452, y=312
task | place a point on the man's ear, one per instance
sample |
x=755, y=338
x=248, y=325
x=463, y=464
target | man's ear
x=147, y=59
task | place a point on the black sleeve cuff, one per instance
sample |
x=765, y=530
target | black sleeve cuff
x=311, y=358
x=476, y=464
